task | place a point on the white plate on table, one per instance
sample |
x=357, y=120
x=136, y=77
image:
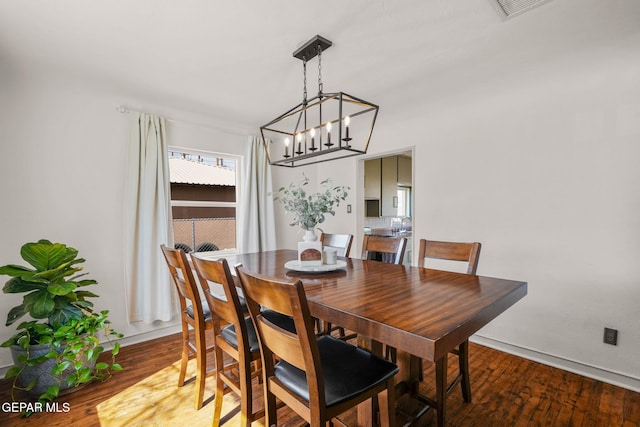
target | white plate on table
x=294, y=264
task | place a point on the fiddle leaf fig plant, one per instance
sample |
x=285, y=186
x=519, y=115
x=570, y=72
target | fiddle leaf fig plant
x=64, y=321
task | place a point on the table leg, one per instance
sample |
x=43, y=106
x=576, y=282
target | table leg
x=367, y=409
x=407, y=369
x=463, y=363
x=441, y=390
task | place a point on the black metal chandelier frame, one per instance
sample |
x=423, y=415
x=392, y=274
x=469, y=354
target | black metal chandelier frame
x=318, y=115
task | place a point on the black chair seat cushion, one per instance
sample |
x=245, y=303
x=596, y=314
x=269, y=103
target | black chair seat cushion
x=284, y=321
x=205, y=311
x=348, y=371
x=228, y=333
x=223, y=297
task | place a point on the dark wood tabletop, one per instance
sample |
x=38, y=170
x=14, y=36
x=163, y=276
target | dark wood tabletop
x=422, y=311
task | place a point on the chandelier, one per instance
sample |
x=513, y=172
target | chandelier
x=326, y=127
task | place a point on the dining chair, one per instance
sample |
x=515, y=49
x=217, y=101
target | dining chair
x=194, y=313
x=468, y=253
x=385, y=249
x=318, y=378
x=462, y=252
x=235, y=337
x=341, y=242
x=380, y=248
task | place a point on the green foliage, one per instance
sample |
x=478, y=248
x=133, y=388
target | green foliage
x=51, y=284
x=309, y=209
x=71, y=325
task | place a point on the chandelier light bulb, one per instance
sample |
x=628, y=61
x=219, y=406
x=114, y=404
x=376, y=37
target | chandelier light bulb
x=286, y=147
x=299, y=152
x=347, y=138
x=312, y=132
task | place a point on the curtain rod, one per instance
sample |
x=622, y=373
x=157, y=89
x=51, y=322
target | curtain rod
x=125, y=110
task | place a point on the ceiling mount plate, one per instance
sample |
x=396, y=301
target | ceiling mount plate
x=310, y=49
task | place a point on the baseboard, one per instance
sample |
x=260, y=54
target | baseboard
x=596, y=373
x=129, y=340
x=610, y=377
x=147, y=336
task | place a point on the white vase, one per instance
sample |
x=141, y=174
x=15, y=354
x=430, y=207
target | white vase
x=310, y=236
x=310, y=250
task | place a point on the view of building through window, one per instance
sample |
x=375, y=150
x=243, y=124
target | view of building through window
x=203, y=200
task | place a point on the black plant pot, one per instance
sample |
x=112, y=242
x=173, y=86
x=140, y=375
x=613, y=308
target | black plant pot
x=42, y=371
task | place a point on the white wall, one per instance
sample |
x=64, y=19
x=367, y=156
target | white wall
x=545, y=175
x=340, y=172
x=63, y=157
x=543, y=169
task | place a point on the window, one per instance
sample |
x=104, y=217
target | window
x=404, y=201
x=204, y=200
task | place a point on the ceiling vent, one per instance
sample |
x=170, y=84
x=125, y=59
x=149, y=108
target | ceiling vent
x=515, y=7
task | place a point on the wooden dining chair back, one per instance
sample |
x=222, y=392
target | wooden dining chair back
x=318, y=378
x=194, y=313
x=341, y=242
x=386, y=249
x=235, y=338
x=468, y=253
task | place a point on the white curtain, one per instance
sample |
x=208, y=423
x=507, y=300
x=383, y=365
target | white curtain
x=258, y=223
x=148, y=222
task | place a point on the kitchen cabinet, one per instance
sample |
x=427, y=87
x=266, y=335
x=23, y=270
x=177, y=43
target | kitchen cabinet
x=381, y=180
x=404, y=171
x=389, y=186
x=372, y=178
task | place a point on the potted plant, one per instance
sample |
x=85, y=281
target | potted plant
x=309, y=210
x=59, y=349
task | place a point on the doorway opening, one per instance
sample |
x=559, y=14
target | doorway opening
x=388, y=190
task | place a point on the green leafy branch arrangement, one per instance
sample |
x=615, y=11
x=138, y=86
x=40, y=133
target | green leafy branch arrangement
x=309, y=209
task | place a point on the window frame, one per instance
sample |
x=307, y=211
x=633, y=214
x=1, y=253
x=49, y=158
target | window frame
x=199, y=203
x=404, y=197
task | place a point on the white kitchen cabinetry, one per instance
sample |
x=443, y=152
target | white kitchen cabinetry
x=404, y=171
x=372, y=178
x=389, y=196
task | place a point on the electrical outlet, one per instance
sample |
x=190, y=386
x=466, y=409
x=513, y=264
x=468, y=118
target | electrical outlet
x=610, y=336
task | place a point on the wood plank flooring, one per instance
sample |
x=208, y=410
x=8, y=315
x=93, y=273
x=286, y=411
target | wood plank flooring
x=507, y=391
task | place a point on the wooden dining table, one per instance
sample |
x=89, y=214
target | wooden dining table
x=421, y=312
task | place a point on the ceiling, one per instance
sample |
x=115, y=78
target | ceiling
x=233, y=60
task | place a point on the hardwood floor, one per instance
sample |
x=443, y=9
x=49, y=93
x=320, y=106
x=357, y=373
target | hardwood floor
x=507, y=391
